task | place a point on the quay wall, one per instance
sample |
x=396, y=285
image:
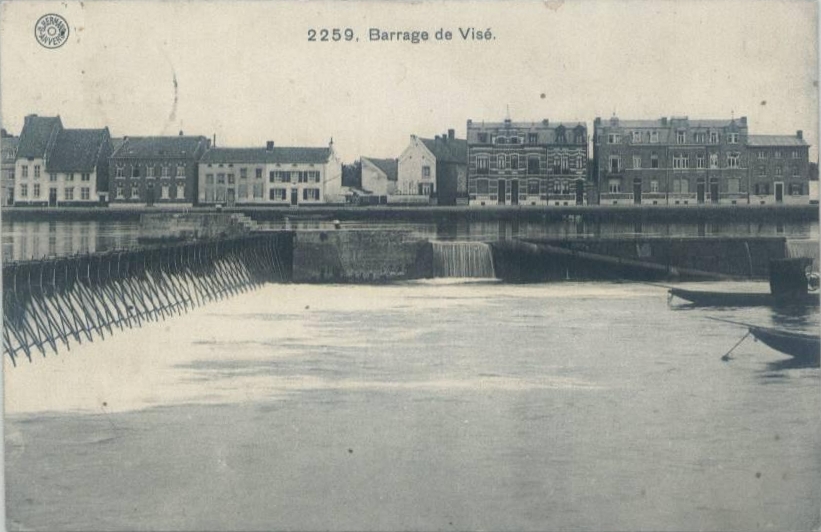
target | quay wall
x=360, y=257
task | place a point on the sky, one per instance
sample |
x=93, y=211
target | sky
x=247, y=73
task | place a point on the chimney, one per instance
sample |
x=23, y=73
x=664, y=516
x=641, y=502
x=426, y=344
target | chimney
x=470, y=121
x=743, y=120
x=214, y=142
x=663, y=120
x=181, y=132
x=4, y=133
x=597, y=121
x=545, y=122
x=269, y=146
x=451, y=134
x=799, y=134
x=507, y=121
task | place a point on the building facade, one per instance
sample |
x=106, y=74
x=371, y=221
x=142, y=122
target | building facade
x=57, y=167
x=433, y=171
x=276, y=176
x=379, y=176
x=527, y=163
x=156, y=171
x=675, y=161
x=779, y=169
x=8, y=151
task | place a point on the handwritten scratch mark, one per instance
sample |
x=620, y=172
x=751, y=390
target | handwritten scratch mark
x=173, y=116
x=553, y=5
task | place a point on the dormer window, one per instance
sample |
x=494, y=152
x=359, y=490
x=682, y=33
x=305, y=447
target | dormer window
x=636, y=137
x=681, y=137
x=501, y=140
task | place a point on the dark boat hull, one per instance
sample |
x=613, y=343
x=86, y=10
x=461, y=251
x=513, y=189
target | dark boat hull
x=799, y=346
x=705, y=298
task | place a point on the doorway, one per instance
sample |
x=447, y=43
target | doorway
x=779, y=192
x=579, y=192
x=52, y=197
x=514, y=192
x=700, y=192
x=230, y=198
x=294, y=196
x=637, y=191
x=502, y=192
x=713, y=190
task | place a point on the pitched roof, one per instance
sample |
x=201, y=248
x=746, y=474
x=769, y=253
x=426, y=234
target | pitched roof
x=282, y=155
x=389, y=166
x=448, y=150
x=172, y=147
x=9, y=146
x=76, y=150
x=775, y=140
x=37, y=134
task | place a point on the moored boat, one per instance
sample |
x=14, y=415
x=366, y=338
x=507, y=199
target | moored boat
x=707, y=298
x=805, y=347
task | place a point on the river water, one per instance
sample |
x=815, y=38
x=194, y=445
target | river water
x=430, y=405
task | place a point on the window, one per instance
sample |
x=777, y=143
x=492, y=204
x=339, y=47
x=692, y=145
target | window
x=794, y=154
x=25, y=171
x=180, y=191
x=258, y=173
x=514, y=140
x=313, y=176
x=654, y=137
x=149, y=172
x=120, y=193
x=242, y=191
x=681, y=137
x=533, y=165
x=613, y=138
x=243, y=173
x=514, y=161
x=501, y=140
x=700, y=137
x=24, y=190
x=277, y=194
x=637, y=161
x=777, y=154
x=579, y=162
x=220, y=194
x=761, y=170
x=681, y=186
x=732, y=138
x=762, y=154
x=654, y=161
x=482, y=165
x=52, y=177
x=85, y=177
x=426, y=172
x=258, y=190
x=681, y=161
x=778, y=171
x=313, y=193
x=220, y=179
x=501, y=162
x=481, y=186
x=209, y=194
x=483, y=138
x=557, y=187
x=795, y=171
x=762, y=189
x=135, y=192
x=180, y=170
x=209, y=179
x=231, y=180
x=564, y=164
x=85, y=193
x=36, y=191
x=636, y=137
x=713, y=137
x=614, y=163
x=733, y=185
x=533, y=187
x=796, y=189
x=713, y=160
x=68, y=193
x=532, y=138
x=165, y=171
x=654, y=185
x=70, y=177
x=733, y=160
x=135, y=171
x=614, y=186
x=164, y=191
x=36, y=171
x=701, y=160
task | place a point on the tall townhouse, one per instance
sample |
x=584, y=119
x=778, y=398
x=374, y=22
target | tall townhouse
x=779, y=169
x=527, y=163
x=8, y=151
x=675, y=161
x=56, y=166
x=433, y=171
x=270, y=176
x=156, y=171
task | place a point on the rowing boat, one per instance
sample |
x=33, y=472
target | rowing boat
x=706, y=298
x=806, y=347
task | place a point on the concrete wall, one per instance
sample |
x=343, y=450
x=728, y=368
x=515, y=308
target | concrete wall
x=360, y=256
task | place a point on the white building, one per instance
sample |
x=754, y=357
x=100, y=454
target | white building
x=379, y=176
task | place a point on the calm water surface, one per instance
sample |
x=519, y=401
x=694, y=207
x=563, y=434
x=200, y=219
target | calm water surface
x=421, y=406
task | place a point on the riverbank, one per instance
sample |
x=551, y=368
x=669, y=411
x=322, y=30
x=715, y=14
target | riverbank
x=593, y=213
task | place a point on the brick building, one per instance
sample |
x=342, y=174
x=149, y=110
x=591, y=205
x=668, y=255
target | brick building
x=156, y=171
x=527, y=163
x=270, y=176
x=779, y=169
x=56, y=166
x=675, y=161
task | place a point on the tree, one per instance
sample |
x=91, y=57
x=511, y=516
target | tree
x=352, y=174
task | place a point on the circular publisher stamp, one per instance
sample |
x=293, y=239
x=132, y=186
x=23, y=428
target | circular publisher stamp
x=51, y=31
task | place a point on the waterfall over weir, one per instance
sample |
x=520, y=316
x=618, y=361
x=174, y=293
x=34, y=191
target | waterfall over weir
x=463, y=259
x=804, y=248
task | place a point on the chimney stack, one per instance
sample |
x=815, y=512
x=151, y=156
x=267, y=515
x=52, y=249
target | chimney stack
x=451, y=134
x=269, y=146
x=743, y=120
x=181, y=132
x=545, y=122
x=214, y=143
x=470, y=121
x=663, y=120
x=799, y=134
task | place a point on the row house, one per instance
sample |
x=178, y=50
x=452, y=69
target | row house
x=676, y=161
x=55, y=166
x=433, y=171
x=527, y=163
x=270, y=176
x=379, y=176
x=8, y=151
x=779, y=169
x=156, y=171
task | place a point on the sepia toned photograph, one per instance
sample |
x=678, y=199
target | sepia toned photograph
x=368, y=265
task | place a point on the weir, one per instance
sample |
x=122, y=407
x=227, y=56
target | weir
x=49, y=303
x=463, y=259
x=804, y=249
